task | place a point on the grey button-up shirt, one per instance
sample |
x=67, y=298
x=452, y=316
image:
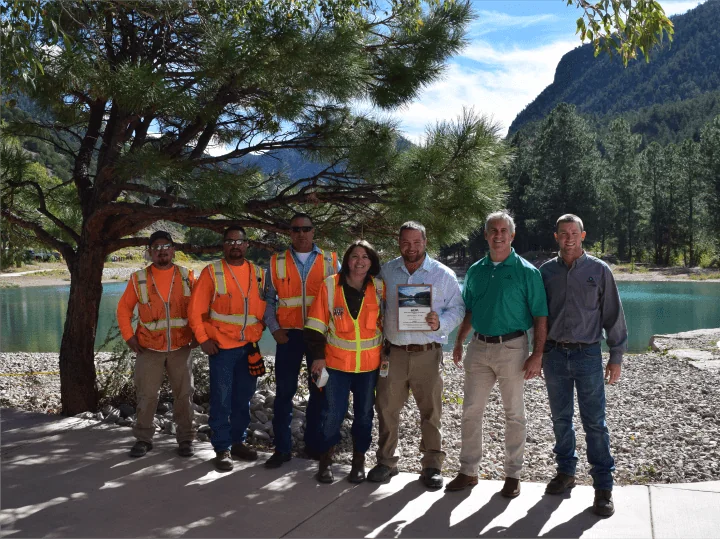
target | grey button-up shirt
x=583, y=300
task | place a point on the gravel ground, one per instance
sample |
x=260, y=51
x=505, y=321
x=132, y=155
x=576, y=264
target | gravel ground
x=664, y=419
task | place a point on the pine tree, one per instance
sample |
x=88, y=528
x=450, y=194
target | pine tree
x=138, y=93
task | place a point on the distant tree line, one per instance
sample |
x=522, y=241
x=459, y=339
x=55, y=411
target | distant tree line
x=658, y=204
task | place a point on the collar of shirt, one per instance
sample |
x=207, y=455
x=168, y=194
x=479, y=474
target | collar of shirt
x=308, y=262
x=509, y=261
x=425, y=266
x=576, y=263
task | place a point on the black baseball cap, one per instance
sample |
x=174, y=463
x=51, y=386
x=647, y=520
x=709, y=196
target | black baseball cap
x=160, y=234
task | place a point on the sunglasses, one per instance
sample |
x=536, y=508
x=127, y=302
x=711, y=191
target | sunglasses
x=163, y=247
x=235, y=242
x=301, y=228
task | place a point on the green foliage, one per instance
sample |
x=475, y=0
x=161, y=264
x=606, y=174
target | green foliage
x=567, y=170
x=623, y=26
x=651, y=205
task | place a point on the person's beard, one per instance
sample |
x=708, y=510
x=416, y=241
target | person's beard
x=235, y=255
x=414, y=258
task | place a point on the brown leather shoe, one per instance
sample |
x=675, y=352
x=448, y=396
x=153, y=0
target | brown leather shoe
x=243, y=451
x=511, y=489
x=462, y=481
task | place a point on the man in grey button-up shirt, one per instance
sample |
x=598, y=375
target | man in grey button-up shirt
x=583, y=300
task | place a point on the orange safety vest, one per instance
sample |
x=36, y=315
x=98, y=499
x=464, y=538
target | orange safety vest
x=239, y=318
x=353, y=345
x=163, y=326
x=295, y=296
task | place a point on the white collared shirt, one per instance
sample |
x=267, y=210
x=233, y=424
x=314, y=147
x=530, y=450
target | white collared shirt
x=446, y=300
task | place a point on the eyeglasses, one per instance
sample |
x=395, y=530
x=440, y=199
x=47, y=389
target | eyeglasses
x=163, y=247
x=235, y=242
x=301, y=228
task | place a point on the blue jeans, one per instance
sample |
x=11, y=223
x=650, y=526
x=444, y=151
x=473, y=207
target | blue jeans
x=581, y=370
x=337, y=395
x=288, y=360
x=231, y=388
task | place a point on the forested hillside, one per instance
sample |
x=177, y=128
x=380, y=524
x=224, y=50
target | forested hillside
x=665, y=100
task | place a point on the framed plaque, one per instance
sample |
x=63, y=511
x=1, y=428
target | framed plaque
x=414, y=304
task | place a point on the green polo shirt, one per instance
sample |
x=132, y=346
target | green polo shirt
x=506, y=297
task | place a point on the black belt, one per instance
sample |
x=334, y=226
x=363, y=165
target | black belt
x=499, y=338
x=571, y=345
x=417, y=347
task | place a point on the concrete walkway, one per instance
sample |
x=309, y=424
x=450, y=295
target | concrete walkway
x=73, y=478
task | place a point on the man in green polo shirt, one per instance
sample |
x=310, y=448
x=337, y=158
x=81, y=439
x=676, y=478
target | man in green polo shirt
x=504, y=297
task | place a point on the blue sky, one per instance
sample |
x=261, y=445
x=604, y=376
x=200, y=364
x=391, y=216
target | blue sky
x=514, y=48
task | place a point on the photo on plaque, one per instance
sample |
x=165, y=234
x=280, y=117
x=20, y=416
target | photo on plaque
x=414, y=304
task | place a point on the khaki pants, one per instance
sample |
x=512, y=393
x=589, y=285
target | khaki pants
x=421, y=373
x=149, y=370
x=484, y=364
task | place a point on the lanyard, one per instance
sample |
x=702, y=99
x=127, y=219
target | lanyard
x=232, y=273
x=172, y=282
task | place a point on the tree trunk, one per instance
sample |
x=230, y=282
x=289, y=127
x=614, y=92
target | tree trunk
x=78, y=389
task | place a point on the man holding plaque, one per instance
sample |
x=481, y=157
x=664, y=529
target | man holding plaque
x=423, y=305
x=504, y=297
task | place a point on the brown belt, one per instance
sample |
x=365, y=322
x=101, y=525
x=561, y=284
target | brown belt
x=417, y=347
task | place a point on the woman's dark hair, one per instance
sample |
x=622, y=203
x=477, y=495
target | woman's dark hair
x=372, y=255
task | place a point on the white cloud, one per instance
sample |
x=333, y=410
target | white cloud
x=676, y=7
x=490, y=21
x=496, y=82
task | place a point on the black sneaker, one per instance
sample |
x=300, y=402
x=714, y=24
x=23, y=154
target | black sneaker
x=277, y=459
x=223, y=461
x=603, y=505
x=140, y=449
x=432, y=477
x=381, y=473
x=243, y=451
x=560, y=483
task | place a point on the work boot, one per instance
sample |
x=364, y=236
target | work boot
x=357, y=472
x=461, y=482
x=223, y=461
x=140, y=449
x=432, y=477
x=511, y=488
x=560, y=484
x=277, y=459
x=186, y=449
x=603, y=504
x=324, y=473
x=243, y=451
x=382, y=473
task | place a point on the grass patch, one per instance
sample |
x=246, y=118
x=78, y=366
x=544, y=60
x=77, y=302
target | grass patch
x=8, y=285
x=704, y=276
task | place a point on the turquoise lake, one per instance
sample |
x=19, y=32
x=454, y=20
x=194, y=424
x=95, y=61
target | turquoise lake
x=33, y=318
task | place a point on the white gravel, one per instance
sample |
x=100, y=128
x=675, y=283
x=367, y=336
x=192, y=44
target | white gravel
x=663, y=415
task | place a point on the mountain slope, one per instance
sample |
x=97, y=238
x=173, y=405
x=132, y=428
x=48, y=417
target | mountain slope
x=687, y=69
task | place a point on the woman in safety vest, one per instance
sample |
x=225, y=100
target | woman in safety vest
x=343, y=334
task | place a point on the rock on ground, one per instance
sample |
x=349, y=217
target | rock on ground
x=663, y=415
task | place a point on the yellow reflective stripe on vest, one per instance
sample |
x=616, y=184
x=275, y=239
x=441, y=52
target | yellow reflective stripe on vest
x=162, y=325
x=235, y=319
x=141, y=289
x=331, y=303
x=379, y=284
x=290, y=302
x=353, y=346
x=219, y=272
x=185, y=275
x=317, y=325
x=281, y=264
